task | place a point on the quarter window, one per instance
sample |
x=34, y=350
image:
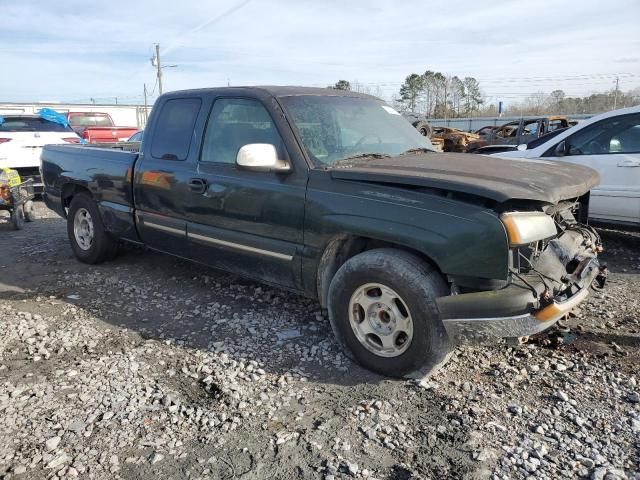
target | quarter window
x=233, y=123
x=174, y=128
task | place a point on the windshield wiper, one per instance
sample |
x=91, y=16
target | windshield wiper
x=417, y=150
x=362, y=155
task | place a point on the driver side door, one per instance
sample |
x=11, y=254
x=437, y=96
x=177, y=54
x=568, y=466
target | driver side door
x=246, y=222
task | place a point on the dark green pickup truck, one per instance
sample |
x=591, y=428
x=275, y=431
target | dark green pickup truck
x=335, y=195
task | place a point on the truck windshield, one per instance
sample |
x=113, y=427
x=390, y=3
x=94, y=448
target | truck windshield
x=337, y=127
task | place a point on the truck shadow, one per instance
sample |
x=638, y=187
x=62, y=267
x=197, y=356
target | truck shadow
x=196, y=308
x=169, y=299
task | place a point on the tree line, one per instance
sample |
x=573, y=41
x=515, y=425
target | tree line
x=557, y=102
x=438, y=95
x=435, y=94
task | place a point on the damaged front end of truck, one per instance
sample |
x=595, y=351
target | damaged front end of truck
x=547, y=278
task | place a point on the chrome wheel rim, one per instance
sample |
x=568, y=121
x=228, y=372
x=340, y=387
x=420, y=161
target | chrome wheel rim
x=380, y=320
x=83, y=229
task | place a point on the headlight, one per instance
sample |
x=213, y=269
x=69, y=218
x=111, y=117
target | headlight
x=528, y=227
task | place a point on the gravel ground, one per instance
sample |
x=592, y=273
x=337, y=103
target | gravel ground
x=150, y=367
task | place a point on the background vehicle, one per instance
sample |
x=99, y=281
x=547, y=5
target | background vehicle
x=491, y=149
x=21, y=140
x=336, y=196
x=610, y=144
x=455, y=140
x=98, y=127
x=519, y=132
x=423, y=127
x=16, y=197
x=136, y=137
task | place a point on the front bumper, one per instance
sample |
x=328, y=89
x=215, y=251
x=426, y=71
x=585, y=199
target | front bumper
x=532, y=302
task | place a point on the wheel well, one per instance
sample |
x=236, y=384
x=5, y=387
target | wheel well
x=70, y=190
x=342, y=248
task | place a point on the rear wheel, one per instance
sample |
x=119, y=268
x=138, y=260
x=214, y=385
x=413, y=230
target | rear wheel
x=29, y=211
x=89, y=239
x=17, y=218
x=383, y=311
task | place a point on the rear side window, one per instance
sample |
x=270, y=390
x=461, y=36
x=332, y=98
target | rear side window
x=90, y=120
x=174, y=128
x=28, y=124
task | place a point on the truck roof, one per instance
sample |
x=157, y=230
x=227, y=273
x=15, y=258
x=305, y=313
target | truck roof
x=276, y=91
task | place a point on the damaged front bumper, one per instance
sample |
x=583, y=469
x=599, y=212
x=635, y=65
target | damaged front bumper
x=558, y=281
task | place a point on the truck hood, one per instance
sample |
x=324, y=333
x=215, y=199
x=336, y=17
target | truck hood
x=494, y=178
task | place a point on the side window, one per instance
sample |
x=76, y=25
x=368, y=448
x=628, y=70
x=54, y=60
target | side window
x=612, y=135
x=233, y=123
x=174, y=128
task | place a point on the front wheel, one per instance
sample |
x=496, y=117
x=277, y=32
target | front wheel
x=382, y=308
x=89, y=239
x=17, y=218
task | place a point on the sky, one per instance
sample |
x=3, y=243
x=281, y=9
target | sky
x=77, y=50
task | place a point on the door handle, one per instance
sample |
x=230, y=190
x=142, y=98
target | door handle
x=628, y=162
x=198, y=185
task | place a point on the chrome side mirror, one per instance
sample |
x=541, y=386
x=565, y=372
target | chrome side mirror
x=261, y=157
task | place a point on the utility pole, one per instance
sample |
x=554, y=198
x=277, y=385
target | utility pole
x=159, y=67
x=615, y=97
x=145, y=103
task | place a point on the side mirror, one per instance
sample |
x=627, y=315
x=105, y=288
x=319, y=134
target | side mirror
x=522, y=146
x=561, y=149
x=261, y=157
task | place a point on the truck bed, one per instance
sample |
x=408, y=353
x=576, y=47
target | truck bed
x=105, y=172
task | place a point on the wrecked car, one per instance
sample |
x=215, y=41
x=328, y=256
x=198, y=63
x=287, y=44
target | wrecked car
x=454, y=140
x=423, y=127
x=519, y=132
x=333, y=194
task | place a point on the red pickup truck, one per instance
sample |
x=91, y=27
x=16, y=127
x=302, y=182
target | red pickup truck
x=98, y=127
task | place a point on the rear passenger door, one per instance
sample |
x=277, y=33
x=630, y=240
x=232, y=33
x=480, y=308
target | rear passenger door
x=244, y=221
x=162, y=175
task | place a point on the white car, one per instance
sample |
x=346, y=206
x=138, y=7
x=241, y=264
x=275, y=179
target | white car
x=610, y=144
x=22, y=138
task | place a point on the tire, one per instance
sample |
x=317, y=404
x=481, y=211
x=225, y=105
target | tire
x=89, y=239
x=17, y=218
x=424, y=128
x=373, y=277
x=29, y=212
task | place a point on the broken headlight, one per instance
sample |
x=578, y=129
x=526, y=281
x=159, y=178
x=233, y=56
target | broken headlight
x=524, y=228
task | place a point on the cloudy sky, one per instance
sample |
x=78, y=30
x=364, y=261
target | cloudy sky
x=75, y=50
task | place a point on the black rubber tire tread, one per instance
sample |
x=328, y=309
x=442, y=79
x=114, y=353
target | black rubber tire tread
x=29, y=212
x=17, y=218
x=419, y=284
x=420, y=125
x=103, y=247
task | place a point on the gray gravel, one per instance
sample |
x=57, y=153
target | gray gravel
x=150, y=367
